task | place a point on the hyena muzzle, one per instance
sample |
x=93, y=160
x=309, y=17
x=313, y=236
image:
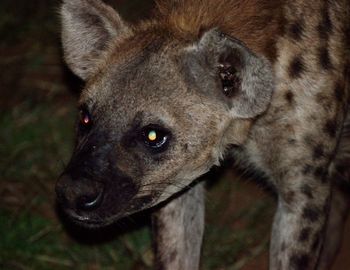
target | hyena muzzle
x=168, y=98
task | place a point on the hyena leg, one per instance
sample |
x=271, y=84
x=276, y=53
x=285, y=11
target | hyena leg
x=297, y=233
x=302, y=127
x=335, y=228
x=304, y=187
x=340, y=176
x=178, y=231
x=298, y=165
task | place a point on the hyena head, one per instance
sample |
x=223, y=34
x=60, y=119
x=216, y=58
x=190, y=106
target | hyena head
x=158, y=109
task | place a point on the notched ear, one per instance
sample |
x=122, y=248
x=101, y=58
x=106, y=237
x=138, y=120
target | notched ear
x=246, y=80
x=87, y=28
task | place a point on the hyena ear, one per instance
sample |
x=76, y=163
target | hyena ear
x=88, y=27
x=245, y=80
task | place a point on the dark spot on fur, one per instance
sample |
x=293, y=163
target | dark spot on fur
x=325, y=27
x=305, y=234
x=342, y=171
x=283, y=246
x=289, y=198
x=325, y=101
x=289, y=97
x=307, y=191
x=325, y=178
x=276, y=110
x=327, y=204
x=296, y=67
x=299, y=261
x=271, y=50
x=324, y=58
x=292, y=141
x=311, y=213
x=173, y=256
x=309, y=139
x=296, y=30
x=339, y=91
x=316, y=242
x=160, y=265
x=330, y=128
x=318, y=152
x=319, y=172
x=279, y=265
x=307, y=169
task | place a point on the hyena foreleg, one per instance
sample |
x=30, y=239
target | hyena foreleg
x=298, y=229
x=178, y=231
x=340, y=204
x=339, y=211
x=299, y=167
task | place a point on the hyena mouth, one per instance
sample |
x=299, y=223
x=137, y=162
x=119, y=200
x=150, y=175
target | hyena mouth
x=97, y=221
x=92, y=204
x=89, y=201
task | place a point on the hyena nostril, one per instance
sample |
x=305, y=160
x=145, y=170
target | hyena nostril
x=90, y=202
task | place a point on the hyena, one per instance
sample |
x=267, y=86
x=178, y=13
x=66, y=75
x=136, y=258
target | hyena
x=264, y=81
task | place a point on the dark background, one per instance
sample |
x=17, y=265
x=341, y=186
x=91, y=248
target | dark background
x=37, y=115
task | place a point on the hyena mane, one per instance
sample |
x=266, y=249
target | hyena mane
x=257, y=23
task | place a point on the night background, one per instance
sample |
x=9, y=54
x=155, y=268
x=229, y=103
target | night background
x=37, y=114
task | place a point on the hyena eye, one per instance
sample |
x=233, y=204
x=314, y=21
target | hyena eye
x=155, y=137
x=85, y=120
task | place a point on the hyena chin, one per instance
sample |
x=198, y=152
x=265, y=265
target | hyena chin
x=158, y=111
x=167, y=98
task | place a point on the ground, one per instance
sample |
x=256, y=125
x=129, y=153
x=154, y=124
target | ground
x=37, y=115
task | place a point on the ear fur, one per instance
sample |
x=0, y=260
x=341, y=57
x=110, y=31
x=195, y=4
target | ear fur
x=88, y=26
x=246, y=79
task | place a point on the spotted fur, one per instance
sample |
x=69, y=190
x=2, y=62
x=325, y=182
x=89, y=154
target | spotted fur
x=269, y=77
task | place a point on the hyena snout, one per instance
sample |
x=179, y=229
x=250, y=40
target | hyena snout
x=85, y=195
x=94, y=202
x=93, y=190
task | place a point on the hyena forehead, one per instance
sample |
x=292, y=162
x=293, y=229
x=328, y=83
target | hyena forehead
x=153, y=79
x=133, y=73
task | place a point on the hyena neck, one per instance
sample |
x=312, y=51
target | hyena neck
x=256, y=22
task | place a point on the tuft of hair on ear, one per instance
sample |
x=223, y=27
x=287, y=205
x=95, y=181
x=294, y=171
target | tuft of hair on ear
x=247, y=79
x=88, y=28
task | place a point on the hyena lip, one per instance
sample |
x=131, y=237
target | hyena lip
x=94, y=223
x=98, y=221
x=90, y=222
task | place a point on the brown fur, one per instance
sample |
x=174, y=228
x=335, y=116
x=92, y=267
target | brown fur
x=255, y=22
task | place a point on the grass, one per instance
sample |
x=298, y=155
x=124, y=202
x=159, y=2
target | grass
x=37, y=115
x=35, y=242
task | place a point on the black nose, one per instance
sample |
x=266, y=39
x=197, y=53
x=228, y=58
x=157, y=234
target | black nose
x=80, y=194
x=89, y=202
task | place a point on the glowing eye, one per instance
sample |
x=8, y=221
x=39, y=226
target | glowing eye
x=85, y=118
x=155, y=137
x=152, y=135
